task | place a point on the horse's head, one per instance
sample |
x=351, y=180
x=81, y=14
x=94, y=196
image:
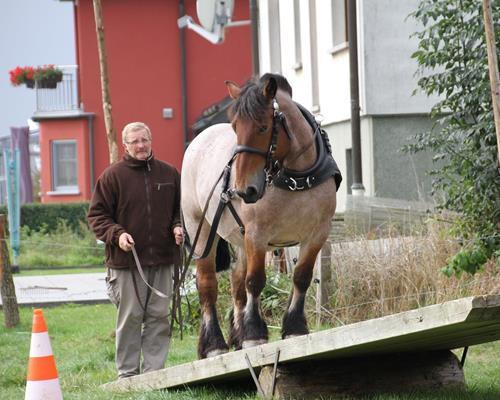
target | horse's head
x=254, y=119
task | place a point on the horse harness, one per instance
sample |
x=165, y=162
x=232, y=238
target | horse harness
x=276, y=174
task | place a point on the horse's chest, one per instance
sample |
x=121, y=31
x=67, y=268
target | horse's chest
x=284, y=216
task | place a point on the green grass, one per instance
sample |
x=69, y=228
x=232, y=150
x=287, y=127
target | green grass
x=83, y=346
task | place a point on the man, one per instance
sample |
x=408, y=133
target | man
x=136, y=205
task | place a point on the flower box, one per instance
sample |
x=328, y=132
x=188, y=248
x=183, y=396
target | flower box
x=44, y=77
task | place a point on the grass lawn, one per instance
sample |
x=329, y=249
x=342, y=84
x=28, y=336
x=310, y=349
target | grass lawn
x=83, y=346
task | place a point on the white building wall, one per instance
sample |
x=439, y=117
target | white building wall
x=334, y=88
x=386, y=71
x=264, y=42
x=385, y=49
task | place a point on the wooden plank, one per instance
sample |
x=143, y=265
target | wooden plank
x=449, y=325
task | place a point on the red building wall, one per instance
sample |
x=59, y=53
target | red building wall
x=142, y=43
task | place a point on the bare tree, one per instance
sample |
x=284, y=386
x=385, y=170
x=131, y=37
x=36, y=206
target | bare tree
x=7, y=288
x=106, y=98
x=493, y=68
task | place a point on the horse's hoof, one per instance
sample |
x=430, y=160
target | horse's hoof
x=252, y=343
x=294, y=335
x=216, y=352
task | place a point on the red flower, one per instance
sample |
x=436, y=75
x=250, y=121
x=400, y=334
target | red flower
x=20, y=75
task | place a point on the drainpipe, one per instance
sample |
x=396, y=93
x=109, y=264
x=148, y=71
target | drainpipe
x=254, y=18
x=90, y=119
x=182, y=46
x=357, y=172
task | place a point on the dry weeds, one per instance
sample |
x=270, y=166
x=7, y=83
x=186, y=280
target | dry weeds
x=373, y=278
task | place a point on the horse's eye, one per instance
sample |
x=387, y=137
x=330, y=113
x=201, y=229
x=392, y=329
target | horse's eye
x=262, y=130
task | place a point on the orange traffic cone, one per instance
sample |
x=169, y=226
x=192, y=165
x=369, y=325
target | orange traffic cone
x=42, y=381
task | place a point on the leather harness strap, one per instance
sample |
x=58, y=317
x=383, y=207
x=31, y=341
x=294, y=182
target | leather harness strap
x=225, y=200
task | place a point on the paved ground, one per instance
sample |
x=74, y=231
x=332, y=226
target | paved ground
x=55, y=289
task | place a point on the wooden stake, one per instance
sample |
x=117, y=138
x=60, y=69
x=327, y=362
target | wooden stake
x=7, y=288
x=106, y=98
x=493, y=68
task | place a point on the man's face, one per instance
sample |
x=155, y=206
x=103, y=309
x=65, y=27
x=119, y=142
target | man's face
x=138, y=144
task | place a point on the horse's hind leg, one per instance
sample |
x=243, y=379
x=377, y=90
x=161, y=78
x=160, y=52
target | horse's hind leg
x=239, y=295
x=294, y=320
x=211, y=341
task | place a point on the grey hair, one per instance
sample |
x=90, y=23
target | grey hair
x=132, y=127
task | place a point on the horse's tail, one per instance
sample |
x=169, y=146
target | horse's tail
x=223, y=256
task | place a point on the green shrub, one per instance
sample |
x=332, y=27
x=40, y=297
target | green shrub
x=48, y=215
x=64, y=246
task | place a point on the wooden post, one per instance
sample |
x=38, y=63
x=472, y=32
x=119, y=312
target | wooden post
x=7, y=288
x=493, y=68
x=364, y=376
x=106, y=98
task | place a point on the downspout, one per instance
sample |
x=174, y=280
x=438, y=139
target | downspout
x=90, y=118
x=357, y=173
x=182, y=46
x=254, y=18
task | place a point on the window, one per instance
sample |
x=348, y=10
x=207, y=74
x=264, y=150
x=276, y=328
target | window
x=314, y=56
x=298, y=48
x=339, y=25
x=64, y=167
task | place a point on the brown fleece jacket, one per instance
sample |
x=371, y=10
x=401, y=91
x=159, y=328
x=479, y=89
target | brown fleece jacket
x=141, y=198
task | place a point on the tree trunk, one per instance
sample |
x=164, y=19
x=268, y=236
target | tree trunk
x=364, y=376
x=106, y=99
x=8, y=290
x=493, y=67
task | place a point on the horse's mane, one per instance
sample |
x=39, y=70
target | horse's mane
x=251, y=104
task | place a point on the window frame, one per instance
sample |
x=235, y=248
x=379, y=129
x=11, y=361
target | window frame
x=340, y=35
x=54, y=162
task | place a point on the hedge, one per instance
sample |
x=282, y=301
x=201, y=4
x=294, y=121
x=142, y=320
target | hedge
x=36, y=215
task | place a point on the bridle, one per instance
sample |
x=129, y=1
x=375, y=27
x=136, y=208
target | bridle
x=270, y=166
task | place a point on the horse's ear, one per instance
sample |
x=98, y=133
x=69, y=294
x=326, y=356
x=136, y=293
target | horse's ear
x=270, y=88
x=233, y=89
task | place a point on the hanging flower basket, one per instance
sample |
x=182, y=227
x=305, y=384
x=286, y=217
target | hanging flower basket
x=20, y=75
x=44, y=77
x=49, y=83
x=47, y=76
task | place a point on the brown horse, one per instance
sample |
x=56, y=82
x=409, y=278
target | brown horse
x=280, y=184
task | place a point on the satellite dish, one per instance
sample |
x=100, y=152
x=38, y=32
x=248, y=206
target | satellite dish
x=214, y=17
x=214, y=12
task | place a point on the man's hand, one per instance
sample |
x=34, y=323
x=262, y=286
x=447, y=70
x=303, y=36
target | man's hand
x=125, y=241
x=179, y=235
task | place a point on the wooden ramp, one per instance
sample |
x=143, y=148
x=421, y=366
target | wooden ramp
x=454, y=324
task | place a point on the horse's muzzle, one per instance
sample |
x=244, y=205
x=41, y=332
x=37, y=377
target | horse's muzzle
x=251, y=195
x=255, y=190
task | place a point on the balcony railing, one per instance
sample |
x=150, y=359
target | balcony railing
x=63, y=100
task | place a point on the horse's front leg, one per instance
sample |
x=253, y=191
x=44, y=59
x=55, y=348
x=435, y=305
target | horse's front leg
x=254, y=326
x=294, y=320
x=211, y=341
